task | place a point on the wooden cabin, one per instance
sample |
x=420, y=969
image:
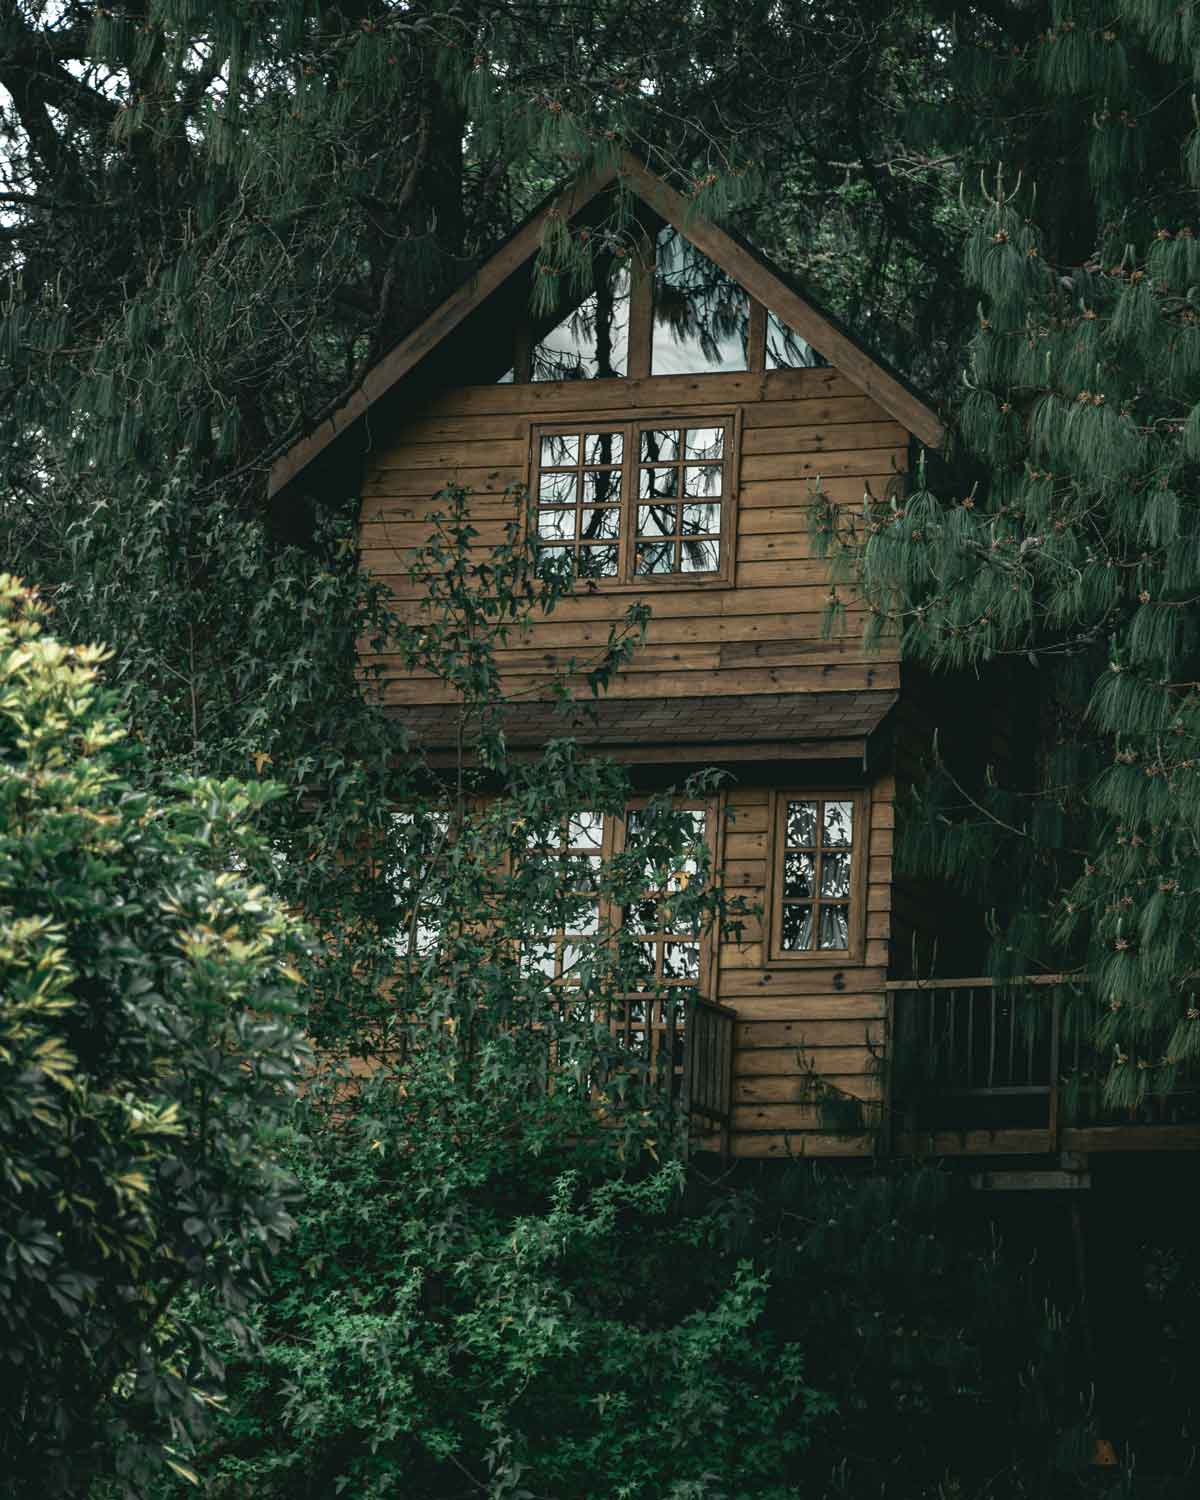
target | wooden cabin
x=671, y=423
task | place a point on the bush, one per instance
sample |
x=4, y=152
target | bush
x=148, y=1037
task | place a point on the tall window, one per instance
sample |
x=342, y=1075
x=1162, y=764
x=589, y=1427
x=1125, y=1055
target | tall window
x=816, y=906
x=671, y=960
x=576, y=858
x=637, y=500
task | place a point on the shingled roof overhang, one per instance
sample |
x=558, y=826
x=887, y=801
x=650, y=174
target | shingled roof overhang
x=724, y=729
x=440, y=348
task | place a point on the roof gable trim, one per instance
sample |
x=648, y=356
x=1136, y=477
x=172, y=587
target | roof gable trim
x=736, y=260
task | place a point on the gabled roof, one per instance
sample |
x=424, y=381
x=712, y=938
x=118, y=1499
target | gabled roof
x=759, y=276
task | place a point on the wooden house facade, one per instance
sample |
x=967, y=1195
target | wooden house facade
x=671, y=427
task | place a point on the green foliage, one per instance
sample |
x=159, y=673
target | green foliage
x=1072, y=544
x=149, y=1037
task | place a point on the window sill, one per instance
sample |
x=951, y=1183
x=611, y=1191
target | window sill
x=651, y=585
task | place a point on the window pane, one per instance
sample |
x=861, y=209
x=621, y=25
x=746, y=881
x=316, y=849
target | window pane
x=585, y=830
x=700, y=314
x=559, y=524
x=681, y=961
x=798, y=874
x=599, y=525
x=556, y=489
x=642, y=918
x=658, y=482
x=835, y=875
x=656, y=520
x=553, y=559
x=592, y=342
x=603, y=447
x=835, y=927
x=601, y=486
x=700, y=519
x=655, y=557
x=802, y=824
x=701, y=557
x=703, y=480
x=838, y=825
x=659, y=447
x=705, y=442
x=585, y=920
x=598, y=562
x=786, y=350
x=797, y=928
x=560, y=450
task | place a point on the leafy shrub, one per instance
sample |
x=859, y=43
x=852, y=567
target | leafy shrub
x=148, y=1036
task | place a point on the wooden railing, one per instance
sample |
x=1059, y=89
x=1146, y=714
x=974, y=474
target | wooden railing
x=688, y=1042
x=972, y=1052
x=708, y=1062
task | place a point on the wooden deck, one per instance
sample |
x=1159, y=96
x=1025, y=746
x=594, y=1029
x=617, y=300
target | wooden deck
x=952, y=1068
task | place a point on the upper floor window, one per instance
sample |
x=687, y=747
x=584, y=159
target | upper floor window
x=636, y=501
x=817, y=875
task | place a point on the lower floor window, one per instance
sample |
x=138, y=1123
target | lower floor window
x=816, y=906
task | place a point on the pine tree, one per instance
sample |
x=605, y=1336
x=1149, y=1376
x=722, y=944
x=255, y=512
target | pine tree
x=1065, y=534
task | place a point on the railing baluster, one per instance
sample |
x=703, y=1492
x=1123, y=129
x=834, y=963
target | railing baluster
x=1012, y=1036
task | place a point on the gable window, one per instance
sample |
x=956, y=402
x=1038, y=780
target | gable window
x=817, y=875
x=637, y=501
x=701, y=315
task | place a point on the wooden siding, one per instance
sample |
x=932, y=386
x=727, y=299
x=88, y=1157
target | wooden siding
x=760, y=634
x=793, y=1017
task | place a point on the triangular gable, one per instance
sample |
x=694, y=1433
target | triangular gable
x=747, y=266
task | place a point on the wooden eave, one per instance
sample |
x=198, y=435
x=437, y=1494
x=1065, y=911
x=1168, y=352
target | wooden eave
x=761, y=279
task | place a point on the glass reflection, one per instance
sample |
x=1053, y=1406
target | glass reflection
x=700, y=520
x=681, y=961
x=591, y=343
x=603, y=447
x=656, y=520
x=597, y=525
x=802, y=824
x=700, y=314
x=654, y=482
x=597, y=562
x=703, y=480
x=797, y=928
x=835, y=875
x=701, y=557
x=705, y=442
x=786, y=350
x=655, y=557
x=558, y=524
x=838, y=825
x=660, y=447
x=798, y=875
x=556, y=489
x=560, y=450
x=835, y=927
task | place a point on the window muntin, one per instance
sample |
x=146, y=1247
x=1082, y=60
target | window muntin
x=580, y=477
x=416, y=881
x=680, y=484
x=816, y=859
x=577, y=855
x=672, y=953
x=672, y=957
x=637, y=500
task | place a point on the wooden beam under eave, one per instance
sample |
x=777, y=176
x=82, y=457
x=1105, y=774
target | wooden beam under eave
x=841, y=351
x=442, y=321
